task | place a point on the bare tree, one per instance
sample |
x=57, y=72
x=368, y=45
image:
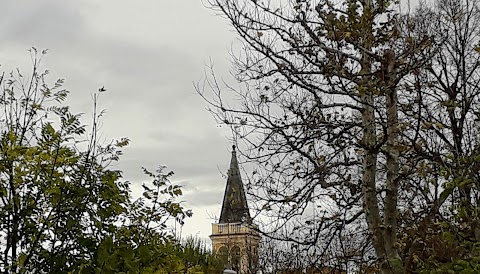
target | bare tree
x=441, y=198
x=319, y=115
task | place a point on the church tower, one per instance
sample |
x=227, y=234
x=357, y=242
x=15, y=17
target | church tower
x=235, y=236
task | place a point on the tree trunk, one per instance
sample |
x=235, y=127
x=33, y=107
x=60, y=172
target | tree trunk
x=392, y=154
x=384, y=231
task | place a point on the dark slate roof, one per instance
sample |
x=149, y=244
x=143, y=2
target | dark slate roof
x=234, y=207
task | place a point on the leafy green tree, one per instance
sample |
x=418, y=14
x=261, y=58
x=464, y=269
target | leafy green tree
x=58, y=199
x=63, y=209
x=191, y=256
x=140, y=244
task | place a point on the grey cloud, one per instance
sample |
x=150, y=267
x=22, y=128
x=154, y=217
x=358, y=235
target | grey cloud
x=147, y=55
x=205, y=196
x=139, y=66
x=40, y=22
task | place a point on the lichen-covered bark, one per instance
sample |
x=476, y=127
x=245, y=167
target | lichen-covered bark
x=391, y=211
x=371, y=209
x=383, y=230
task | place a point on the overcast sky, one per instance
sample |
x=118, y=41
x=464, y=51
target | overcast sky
x=147, y=53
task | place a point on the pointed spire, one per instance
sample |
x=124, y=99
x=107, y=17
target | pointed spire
x=234, y=207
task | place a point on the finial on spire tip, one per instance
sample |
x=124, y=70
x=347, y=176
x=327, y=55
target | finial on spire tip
x=233, y=147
